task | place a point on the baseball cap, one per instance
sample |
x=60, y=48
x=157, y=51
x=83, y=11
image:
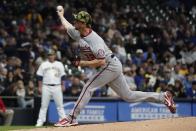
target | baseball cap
x=84, y=16
x=139, y=51
x=51, y=52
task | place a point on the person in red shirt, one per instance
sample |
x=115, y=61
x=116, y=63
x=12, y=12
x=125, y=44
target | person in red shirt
x=7, y=114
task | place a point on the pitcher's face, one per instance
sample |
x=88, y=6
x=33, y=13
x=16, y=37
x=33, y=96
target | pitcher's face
x=79, y=25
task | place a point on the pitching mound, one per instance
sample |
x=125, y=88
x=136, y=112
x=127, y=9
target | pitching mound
x=172, y=124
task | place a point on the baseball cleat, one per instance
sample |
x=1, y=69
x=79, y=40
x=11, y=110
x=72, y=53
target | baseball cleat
x=39, y=124
x=169, y=102
x=66, y=123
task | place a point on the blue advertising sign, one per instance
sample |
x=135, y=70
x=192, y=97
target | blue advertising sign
x=194, y=109
x=94, y=112
x=147, y=110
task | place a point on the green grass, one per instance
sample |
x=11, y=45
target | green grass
x=8, y=128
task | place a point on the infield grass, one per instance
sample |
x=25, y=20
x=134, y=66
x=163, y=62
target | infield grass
x=8, y=128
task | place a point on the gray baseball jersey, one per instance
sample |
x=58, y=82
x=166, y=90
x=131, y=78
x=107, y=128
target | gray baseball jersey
x=91, y=46
x=111, y=73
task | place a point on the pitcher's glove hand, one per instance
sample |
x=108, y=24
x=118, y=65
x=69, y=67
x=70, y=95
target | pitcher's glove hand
x=75, y=61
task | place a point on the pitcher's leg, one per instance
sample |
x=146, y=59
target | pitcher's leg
x=100, y=79
x=58, y=98
x=103, y=77
x=120, y=86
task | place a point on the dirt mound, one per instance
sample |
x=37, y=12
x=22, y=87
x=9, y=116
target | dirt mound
x=171, y=124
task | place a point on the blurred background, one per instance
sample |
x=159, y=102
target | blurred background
x=154, y=39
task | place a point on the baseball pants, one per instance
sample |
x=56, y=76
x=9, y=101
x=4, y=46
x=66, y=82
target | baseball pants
x=113, y=76
x=49, y=92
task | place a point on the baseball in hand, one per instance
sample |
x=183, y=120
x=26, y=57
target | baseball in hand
x=59, y=8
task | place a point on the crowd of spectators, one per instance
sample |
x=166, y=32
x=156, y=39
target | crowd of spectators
x=157, y=50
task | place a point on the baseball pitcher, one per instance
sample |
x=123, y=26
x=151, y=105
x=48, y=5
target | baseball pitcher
x=51, y=76
x=95, y=53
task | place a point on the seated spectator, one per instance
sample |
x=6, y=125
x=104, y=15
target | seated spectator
x=76, y=87
x=31, y=68
x=150, y=81
x=151, y=77
x=42, y=57
x=58, y=53
x=68, y=85
x=10, y=48
x=7, y=114
x=10, y=79
x=112, y=30
x=191, y=92
x=178, y=89
x=119, y=45
x=30, y=88
x=183, y=70
x=121, y=50
x=21, y=93
x=138, y=58
x=187, y=82
x=140, y=78
x=162, y=86
x=169, y=58
x=188, y=54
x=10, y=64
x=18, y=75
x=174, y=73
x=75, y=91
x=149, y=56
x=3, y=75
x=129, y=76
x=194, y=89
x=33, y=17
x=8, y=82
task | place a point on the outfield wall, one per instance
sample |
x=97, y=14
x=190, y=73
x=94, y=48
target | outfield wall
x=99, y=111
x=105, y=109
